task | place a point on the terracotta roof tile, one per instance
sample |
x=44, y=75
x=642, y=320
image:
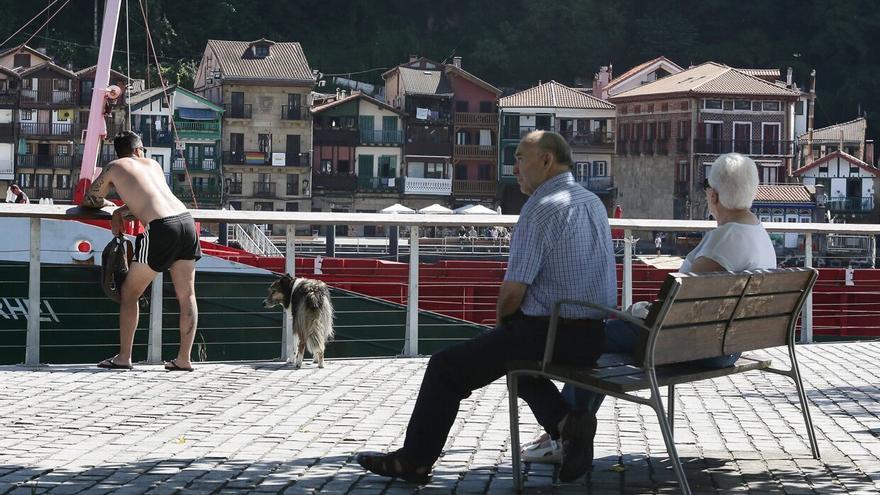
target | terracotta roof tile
x=286, y=61
x=554, y=95
x=424, y=82
x=783, y=193
x=635, y=70
x=854, y=130
x=709, y=78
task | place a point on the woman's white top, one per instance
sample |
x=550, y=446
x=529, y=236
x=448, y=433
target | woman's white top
x=736, y=247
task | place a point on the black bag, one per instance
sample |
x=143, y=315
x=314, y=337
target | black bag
x=115, y=261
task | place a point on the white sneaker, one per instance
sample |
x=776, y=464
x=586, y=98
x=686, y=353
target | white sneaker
x=546, y=451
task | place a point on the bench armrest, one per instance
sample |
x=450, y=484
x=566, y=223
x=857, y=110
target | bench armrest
x=550, y=344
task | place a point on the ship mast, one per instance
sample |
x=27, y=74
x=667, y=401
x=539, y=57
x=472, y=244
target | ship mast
x=96, y=129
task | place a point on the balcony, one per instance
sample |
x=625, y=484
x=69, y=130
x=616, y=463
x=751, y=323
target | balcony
x=520, y=132
x=598, y=184
x=378, y=184
x=474, y=187
x=47, y=161
x=203, y=196
x=292, y=113
x=419, y=185
x=594, y=138
x=56, y=129
x=234, y=188
x=46, y=97
x=851, y=204
x=237, y=111
x=507, y=170
x=370, y=137
x=160, y=139
x=744, y=146
x=475, y=151
x=206, y=164
x=471, y=119
x=201, y=130
x=334, y=182
x=337, y=137
x=264, y=189
x=246, y=158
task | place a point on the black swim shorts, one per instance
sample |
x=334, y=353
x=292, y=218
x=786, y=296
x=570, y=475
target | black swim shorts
x=166, y=240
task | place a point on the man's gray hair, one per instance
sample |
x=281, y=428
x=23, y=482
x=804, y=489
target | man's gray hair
x=553, y=143
x=735, y=178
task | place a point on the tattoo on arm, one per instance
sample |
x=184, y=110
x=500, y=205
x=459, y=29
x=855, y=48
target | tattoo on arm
x=94, y=198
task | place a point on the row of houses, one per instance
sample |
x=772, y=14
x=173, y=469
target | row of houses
x=254, y=134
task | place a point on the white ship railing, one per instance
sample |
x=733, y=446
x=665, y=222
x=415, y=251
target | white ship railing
x=252, y=239
x=415, y=224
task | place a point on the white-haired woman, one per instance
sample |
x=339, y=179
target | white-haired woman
x=739, y=243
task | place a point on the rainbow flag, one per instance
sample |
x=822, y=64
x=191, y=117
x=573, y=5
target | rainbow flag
x=254, y=158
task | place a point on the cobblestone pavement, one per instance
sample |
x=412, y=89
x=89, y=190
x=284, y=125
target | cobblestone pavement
x=267, y=428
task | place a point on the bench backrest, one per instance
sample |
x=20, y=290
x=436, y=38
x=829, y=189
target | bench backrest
x=715, y=314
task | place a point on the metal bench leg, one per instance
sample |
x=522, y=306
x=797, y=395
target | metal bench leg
x=670, y=404
x=514, y=432
x=802, y=396
x=667, y=434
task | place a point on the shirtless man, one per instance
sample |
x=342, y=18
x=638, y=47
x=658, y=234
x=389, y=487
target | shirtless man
x=169, y=242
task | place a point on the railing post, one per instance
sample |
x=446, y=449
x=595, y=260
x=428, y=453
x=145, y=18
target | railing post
x=289, y=267
x=154, y=345
x=807, y=313
x=627, y=269
x=32, y=351
x=411, y=343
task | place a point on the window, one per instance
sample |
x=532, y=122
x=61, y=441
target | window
x=461, y=106
x=853, y=171
x=582, y=171
x=742, y=105
x=507, y=155
x=637, y=109
x=291, y=207
x=484, y=172
x=621, y=132
x=21, y=60
x=650, y=108
x=62, y=150
x=684, y=129
x=823, y=170
x=326, y=166
x=343, y=167
x=712, y=104
x=27, y=114
x=663, y=131
x=292, y=185
x=798, y=108
x=461, y=172
x=434, y=170
x=208, y=151
x=462, y=137
x=3, y=85
x=685, y=105
x=261, y=51
x=600, y=168
x=652, y=131
x=486, y=107
x=62, y=181
x=264, y=141
x=771, y=106
x=664, y=107
x=61, y=84
x=44, y=180
x=24, y=180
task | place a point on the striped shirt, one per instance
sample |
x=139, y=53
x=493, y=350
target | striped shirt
x=561, y=248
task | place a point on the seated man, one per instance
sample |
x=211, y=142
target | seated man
x=739, y=243
x=561, y=249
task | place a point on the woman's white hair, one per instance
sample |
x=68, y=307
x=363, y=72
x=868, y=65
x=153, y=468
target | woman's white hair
x=735, y=178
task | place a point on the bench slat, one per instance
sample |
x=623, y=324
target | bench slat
x=767, y=305
x=623, y=379
x=771, y=283
x=703, y=340
x=750, y=335
x=705, y=286
x=700, y=311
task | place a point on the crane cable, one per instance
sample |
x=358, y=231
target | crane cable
x=30, y=21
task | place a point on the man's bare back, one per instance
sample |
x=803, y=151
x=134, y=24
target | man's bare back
x=140, y=183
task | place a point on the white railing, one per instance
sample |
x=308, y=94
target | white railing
x=412, y=222
x=417, y=185
x=252, y=239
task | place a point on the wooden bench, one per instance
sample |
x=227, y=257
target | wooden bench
x=696, y=316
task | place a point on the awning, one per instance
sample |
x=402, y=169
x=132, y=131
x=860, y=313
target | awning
x=196, y=113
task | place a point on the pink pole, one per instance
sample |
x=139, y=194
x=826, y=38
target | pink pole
x=96, y=129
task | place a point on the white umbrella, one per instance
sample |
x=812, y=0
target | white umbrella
x=478, y=210
x=436, y=209
x=397, y=208
x=462, y=209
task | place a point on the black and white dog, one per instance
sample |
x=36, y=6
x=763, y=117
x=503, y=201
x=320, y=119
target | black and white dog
x=309, y=304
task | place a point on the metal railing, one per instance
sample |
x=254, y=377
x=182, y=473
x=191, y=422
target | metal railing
x=850, y=203
x=49, y=161
x=264, y=189
x=744, y=146
x=385, y=137
x=474, y=187
x=416, y=224
x=477, y=151
x=289, y=112
x=244, y=111
x=378, y=184
x=252, y=239
x=418, y=185
x=48, y=97
x=591, y=138
x=46, y=129
x=476, y=119
x=186, y=126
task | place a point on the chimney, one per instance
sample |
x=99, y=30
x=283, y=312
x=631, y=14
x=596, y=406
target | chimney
x=601, y=80
x=413, y=57
x=788, y=78
x=456, y=61
x=869, y=153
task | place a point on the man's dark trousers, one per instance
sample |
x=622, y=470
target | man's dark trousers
x=454, y=372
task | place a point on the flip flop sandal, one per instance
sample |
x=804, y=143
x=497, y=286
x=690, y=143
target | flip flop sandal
x=172, y=366
x=108, y=364
x=394, y=465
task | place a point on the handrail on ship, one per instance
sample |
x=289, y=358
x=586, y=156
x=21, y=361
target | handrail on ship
x=412, y=221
